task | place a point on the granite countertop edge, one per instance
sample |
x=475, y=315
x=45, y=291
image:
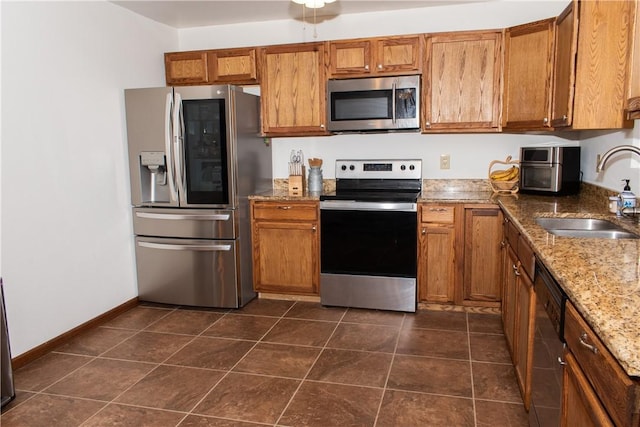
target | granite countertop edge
x=601, y=277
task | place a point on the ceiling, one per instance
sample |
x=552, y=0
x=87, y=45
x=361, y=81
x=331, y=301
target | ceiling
x=187, y=13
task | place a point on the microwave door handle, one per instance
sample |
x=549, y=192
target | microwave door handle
x=393, y=103
x=178, y=127
x=168, y=137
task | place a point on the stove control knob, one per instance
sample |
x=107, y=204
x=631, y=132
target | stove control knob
x=403, y=167
x=343, y=167
x=351, y=168
x=411, y=167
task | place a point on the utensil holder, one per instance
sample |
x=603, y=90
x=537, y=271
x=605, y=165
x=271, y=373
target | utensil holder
x=315, y=180
x=297, y=184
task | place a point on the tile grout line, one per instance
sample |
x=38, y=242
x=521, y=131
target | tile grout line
x=277, y=423
x=473, y=389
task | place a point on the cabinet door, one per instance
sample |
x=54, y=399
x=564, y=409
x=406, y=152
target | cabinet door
x=524, y=334
x=462, y=81
x=286, y=257
x=186, y=68
x=482, y=261
x=350, y=57
x=603, y=52
x=580, y=404
x=436, y=268
x=528, y=74
x=509, y=269
x=293, y=90
x=564, y=67
x=235, y=66
x=398, y=55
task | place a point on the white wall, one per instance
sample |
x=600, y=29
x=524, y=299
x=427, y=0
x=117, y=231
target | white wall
x=470, y=154
x=67, y=250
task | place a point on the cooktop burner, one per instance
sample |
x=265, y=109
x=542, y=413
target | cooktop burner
x=398, y=180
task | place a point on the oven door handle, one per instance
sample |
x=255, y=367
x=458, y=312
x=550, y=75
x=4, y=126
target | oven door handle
x=354, y=205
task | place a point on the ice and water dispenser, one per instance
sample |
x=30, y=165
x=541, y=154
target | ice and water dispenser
x=153, y=177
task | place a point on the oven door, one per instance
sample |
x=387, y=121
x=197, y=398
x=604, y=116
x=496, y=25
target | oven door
x=368, y=255
x=540, y=177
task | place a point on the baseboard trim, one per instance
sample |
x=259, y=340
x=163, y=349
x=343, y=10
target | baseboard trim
x=42, y=349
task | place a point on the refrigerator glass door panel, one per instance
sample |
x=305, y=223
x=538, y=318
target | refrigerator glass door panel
x=149, y=140
x=205, y=152
x=185, y=223
x=187, y=271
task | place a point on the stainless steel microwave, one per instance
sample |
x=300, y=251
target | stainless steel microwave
x=550, y=170
x=373, y=104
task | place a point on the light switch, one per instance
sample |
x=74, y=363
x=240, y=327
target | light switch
x=445, y=161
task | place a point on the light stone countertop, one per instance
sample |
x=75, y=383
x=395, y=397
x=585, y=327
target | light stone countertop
x=600, y=276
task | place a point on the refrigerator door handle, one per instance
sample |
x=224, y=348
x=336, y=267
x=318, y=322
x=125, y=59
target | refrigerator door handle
x=178, y=133
x=201, y=247
x=168, y=136
x=201, y=217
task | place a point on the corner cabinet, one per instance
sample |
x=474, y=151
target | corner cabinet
x=286, y=247
x=482, y=261
x=232, y=66
x=528, y=74
x=377, y=56
x=593, y=53
x=437, y=253
x=293, y=90
x=462, y=75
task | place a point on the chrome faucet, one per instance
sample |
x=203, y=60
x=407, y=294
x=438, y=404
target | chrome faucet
x=614, y=150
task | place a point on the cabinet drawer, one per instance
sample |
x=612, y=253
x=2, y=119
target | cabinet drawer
x=526, y=256
x=512, y=235
x=611, y=383
x=294, y=211
x=437, y=213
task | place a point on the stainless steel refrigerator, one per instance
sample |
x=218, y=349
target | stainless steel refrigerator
x=195, y=154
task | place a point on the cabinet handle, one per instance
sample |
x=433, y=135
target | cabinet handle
x=503, y=244
x=366, y=67
x=322, y=126
x=564, y=118
x=424, y=231
x=560, y=361
x=314, y=228
x=515, y=270
x=545, y=120
x=583, y=340
x=379, y=66
x=428, y=124
x=284, y=208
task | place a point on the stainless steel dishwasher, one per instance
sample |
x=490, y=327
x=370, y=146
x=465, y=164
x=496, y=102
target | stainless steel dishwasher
x=546, y=378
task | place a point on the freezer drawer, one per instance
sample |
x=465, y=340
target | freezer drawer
x=191, y=272
x=185, y=223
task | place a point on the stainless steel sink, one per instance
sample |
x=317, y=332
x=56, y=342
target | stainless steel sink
x=585, y=227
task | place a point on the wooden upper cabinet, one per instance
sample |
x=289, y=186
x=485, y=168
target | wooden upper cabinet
x=366, y=57
x=186, y=68
x=236, y=66
x=593, y=50
x=462, y=81
x=633, y=103
x=293, y=90
x=224, y=66
x=528, y=71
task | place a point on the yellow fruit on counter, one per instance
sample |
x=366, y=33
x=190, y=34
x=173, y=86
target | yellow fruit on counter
x=505, y=175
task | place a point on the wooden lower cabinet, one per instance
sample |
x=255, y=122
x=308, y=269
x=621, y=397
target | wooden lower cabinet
x=437, y=254
x=580, y=404
x=482, y=261
x=524, y=333
x=286, y=247
x=509, y=268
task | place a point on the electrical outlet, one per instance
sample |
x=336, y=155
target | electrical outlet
x=445, y=161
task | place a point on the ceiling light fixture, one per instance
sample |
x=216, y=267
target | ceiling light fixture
x=312, y=4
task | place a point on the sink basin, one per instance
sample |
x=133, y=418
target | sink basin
x=585, y=227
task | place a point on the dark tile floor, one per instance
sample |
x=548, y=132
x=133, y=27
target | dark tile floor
x=274, y=363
